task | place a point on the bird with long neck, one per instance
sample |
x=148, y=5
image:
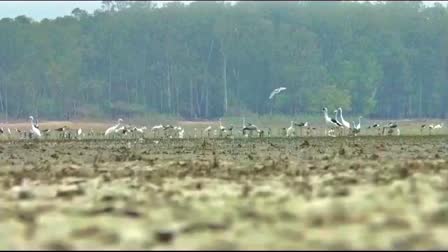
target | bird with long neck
x=244, y=124
x=207, y=130
x=344, y=122
x=113, y=128
x=220, y=125
x=336, y=121
x=34, y=130
x=290, y=130
x=438, y=126
x=357, y=126
x=222, y=129
x=327, y=120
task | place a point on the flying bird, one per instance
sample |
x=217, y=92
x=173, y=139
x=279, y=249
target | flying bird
x=276, y=91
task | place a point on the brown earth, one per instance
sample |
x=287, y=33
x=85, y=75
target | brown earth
x=367, y=192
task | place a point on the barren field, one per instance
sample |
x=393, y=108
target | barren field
x=367, y=192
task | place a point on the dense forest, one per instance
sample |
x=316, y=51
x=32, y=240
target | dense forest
x=212, y=59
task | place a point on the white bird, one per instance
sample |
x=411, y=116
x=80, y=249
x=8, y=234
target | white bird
x=276, y=91
x=156, y=129
x=222, y=128
x=34, y=130
x=79, y=132
x=113, y=128
x=244, y=124
x=120, y=129
x=141, y=130
x=290, y=130
x=438, y=126
x=181, y=133
x=357, y=126
x=36, y=124
x=335, y=119
x=260, y=132
x=345, y=123
x=178, y=130
x=207, y=130
x=331, y=121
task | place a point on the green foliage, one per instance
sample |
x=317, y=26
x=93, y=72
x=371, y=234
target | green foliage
x=134, y=59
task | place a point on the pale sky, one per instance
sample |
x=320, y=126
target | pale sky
x=49, y=9
x=52, y=9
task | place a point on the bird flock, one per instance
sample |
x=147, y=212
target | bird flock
x=334, y=126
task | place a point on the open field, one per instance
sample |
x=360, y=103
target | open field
x=365, y=192
x=276, y=123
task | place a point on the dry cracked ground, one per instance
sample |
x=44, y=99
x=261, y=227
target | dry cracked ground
x=275, y=193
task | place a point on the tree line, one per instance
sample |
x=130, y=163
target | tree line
x=211, y=59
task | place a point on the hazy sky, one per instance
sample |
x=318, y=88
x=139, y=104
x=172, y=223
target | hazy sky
x=51, y=9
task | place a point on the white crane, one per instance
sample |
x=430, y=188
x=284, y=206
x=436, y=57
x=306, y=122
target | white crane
x=244, y=125
x=34, y=130
x=344, y=122
x=355, y=129
x=438, y=126
x=276, y=91
x=181, y=133
x=36, y=124
x=433, y=127
x=338, y=123
x=141, y=130
x=221, y=128
x=357, y=126
x=207, y=130
x=79, y=133
x=260, y=132
x=156, y=129
x=290, y=130
x=113, y=128
x=177, y=131
x=328, y=120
